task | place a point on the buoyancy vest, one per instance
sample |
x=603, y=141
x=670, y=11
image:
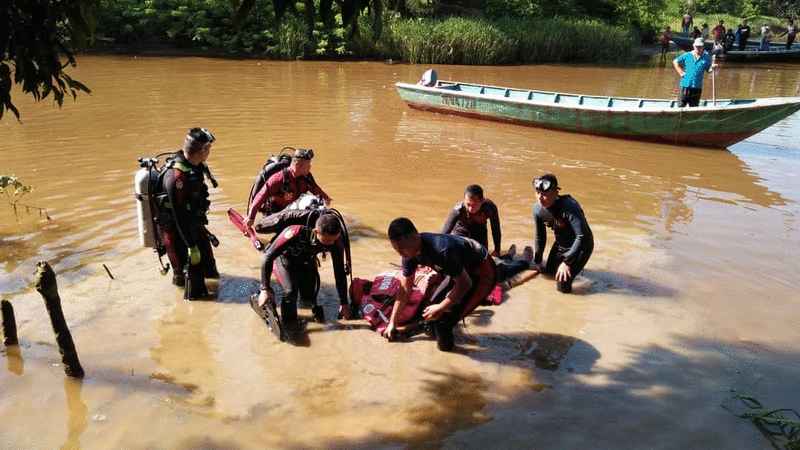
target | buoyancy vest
x=193, y=180
x=375, y=299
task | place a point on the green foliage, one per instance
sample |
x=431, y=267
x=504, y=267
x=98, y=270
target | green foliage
x=508, y=40
x=13, y=190
x=36, y=38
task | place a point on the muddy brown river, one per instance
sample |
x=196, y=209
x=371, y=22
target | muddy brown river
x=690, y=295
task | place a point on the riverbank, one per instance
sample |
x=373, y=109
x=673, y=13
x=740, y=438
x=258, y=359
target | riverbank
x=454, y=40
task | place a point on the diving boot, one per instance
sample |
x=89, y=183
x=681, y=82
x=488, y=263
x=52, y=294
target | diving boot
x=210, y=269
x=512, y=252
x=445, y=339
x=178, y=279
x=319, y=314
x=195, y=283
x=269, y=314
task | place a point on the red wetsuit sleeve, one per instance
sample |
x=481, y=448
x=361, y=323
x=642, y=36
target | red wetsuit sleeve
x=277, y=248
x=271, y=188
x=312, y=186
x=450, y=222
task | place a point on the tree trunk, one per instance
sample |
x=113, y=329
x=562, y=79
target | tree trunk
x=46, y=285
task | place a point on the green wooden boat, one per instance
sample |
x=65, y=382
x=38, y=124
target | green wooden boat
x=711, y=124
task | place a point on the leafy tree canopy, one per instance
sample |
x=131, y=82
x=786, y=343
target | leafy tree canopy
x=37, y=42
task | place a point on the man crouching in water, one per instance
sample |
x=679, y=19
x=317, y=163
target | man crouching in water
x=470, y=271
x=574, y=240
x=293, y=253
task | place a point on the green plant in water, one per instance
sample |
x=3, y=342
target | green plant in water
x=14, y=190
x=780, y=426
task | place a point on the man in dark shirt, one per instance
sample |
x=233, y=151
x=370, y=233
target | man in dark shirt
x=744, y=35
x=468, y=218
x=471, y=276
x=293, y=255
x=574, y=241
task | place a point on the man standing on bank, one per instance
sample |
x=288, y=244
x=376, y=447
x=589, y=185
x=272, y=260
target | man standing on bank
x=574, y=241
x=469, y=217
x=471, y=275
x=692, y=67
x=183, y=217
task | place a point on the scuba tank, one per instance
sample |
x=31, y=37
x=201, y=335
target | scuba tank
x=274, y=164
x=145, y=185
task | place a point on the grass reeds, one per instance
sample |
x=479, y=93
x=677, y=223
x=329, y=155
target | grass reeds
x=508, y=41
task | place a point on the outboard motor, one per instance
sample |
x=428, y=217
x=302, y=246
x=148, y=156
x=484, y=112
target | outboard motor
x=144, y=185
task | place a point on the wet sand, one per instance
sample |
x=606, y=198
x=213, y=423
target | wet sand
x=690, y=293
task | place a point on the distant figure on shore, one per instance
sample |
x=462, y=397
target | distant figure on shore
x=687, y=22
x=692, y=67
x=574, y=241
x=696, y=33
x=730, y=40
x=666, y=36
x=704, y=31
x=744, y=35
x=429, y=78
x=719, y=32
x=766, y=36
x=791, y=32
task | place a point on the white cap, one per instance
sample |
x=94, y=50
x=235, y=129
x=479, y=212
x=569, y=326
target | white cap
x=699, y=42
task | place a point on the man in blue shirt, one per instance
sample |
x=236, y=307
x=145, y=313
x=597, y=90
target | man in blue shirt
x=692, y=66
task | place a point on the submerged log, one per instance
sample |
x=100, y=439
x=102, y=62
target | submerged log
x=46, y=285
x=9, y=324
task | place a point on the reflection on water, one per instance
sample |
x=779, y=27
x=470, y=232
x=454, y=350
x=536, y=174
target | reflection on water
x=76, y=413
x=14, y=361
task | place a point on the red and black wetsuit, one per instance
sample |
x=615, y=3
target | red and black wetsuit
x=450, y=255
x=461, y=223
x=292, y=254
x=182, y=219
x=574, y=240
x=281, y=189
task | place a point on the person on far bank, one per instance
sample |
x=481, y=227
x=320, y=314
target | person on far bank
x=687, y=22
x=470, y=216
x=791, y=33
x=692, y=67
x=719, y=32
x=704, y=32
x=574, y=241
x=666, y=36
x=744, y=35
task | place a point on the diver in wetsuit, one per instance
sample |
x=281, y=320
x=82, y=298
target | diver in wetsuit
x=574, y=241
x=469, y=217
x=293, y=256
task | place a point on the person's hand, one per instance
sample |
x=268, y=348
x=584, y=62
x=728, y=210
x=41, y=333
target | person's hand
x=345, y=312
x=264, y=296
x=249, y=223
x=433, y=312
x=194, y=256
x=389, y=331
x=563, y=274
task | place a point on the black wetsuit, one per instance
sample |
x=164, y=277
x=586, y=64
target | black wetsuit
x=293, y=253
x=462, y=223
x=182, y=219
x=744, y=35
x=450, y=255
x=574, y=239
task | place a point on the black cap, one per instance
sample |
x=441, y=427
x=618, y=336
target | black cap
x=545, y=183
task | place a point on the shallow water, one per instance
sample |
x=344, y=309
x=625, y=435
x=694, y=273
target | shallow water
x=690, y=292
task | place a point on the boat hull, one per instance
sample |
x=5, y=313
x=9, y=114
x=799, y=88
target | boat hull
x=700, y=127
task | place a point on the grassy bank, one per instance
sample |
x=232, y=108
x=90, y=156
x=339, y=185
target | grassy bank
x=455, y=40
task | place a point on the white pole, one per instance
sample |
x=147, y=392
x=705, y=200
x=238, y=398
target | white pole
x=713, y=81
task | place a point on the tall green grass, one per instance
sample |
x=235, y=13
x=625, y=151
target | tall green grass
x=507, y=41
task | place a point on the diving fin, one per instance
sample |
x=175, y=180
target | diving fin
x=269, y=314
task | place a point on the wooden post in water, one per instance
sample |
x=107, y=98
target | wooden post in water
x=9, y=324
x=46, y=285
